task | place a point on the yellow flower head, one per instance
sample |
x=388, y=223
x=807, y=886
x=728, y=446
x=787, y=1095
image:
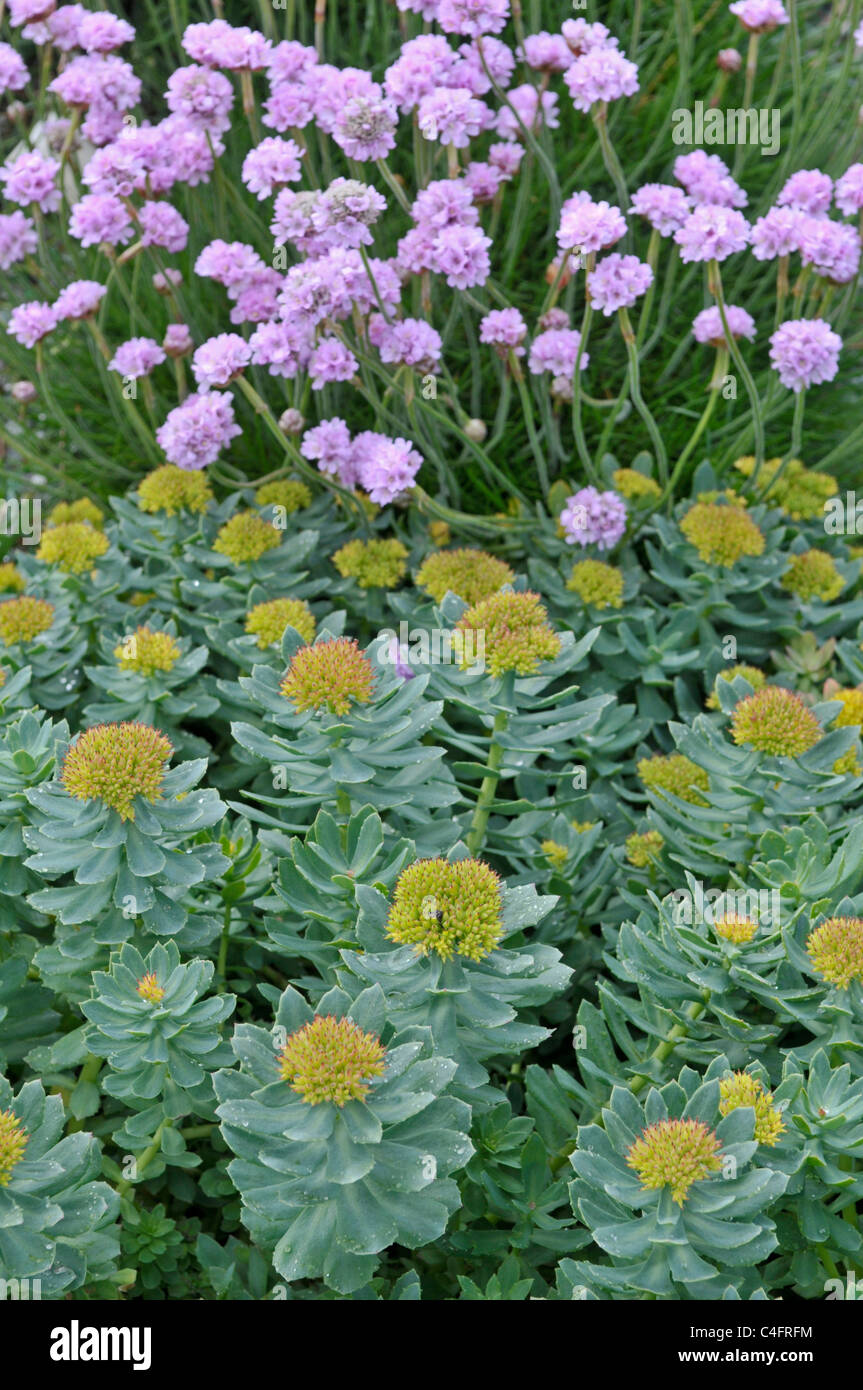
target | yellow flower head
x=246, y=537
x=472, y=574
x=11, y=579
x=740, y=1089
x=331, y=1059
x=721, y=535
x=82, y=510
x=439, y=533
x=851, y=712
x=374, y=564
x=555, y=854
x=753, y=674
x=675, y=1154
x=813, y=575
x=799, y=491
x=597, y=583
x=453, y=909
x=641, y=849
x=290, y=493
x=674, y=773
x=73, y=545
x=635, y=486
x=22, y=619
x=147, y=652
x=268, y=621
x=13, y=1142
x=171, y=489
x=733, y=927
x=330, y=675
x=515, y=632
x=115, y=763
x=149, y=988
x=836, y=950
x=775, y=721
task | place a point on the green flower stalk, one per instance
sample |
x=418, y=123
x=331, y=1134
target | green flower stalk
x=269, y=621
x=56, y=1218
x=776, y=721
x=721, y=535
x=344, y=1135
x=376, y=563
x=471, y=574
x=813, y=574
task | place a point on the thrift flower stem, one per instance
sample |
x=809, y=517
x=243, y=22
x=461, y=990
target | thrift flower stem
x=751, y=391
x=394, y=185
x=637, y=399
x=715, y=388
x=599, y=115
x=482, y=810
x=527, y=410
x=793, y=453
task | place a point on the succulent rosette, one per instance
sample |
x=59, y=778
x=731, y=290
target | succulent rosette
x=344, y=1135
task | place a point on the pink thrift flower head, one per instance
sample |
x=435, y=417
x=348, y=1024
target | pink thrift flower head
x=707, y=326
x=759, y=16
x=102, y=82
x=453, y=116
x=30, y=179
x=29, y=323
x=100, y=32
x=292, y=220
x=505, y=330
x=777, y=233
x=858, y=37
x=386, y=467
x=177, y=341
x=805, y=352
x=481, y=64
x=221, y=45
x=594, y=518
x=63, y=26
x=582, y=37
x=483, y=180
x=283, y=348
x=344, y=212
x=290, y=106
x=707, y=179
x=219, y=360
x=586, y=226
x=79, y=300
x=665, y=207
x=165, y=283
x=332, y=360
x=195, y=432
x=461, y=254
x=472, y=17
x=13, y=70
x=553, y=318
x=29, y=11
x=444, y=203
x=100, y=218
x=187, y=154
x=426, y=8
x=601, y=74
x=832, y=248
x=365, y=128
x=270, y=165
x=136, y=358
x=329, y=446
x=530, y=110
x=162, y=225
x=712, y=233
x=257, y=299
x=506, y=155
x=423, y=64
x=202, y=96
x=547, y=52
x=556, y=351
x=729, y=60
x=618, y=282
x=849, y=191
x=228, y=262
x=412, y=343
x=18, y=238
x=289, y=60
x=809, y=190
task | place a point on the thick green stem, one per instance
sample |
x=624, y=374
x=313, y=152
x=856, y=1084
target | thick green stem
x=488, y=788
x=145, y=1159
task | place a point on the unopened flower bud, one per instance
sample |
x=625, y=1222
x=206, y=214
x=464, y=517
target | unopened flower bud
x=165, y=283
x=729, y=60
x=178, y=340
x=291, y=422
x=476, y=431
x=23, y=392
x=553, y=319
